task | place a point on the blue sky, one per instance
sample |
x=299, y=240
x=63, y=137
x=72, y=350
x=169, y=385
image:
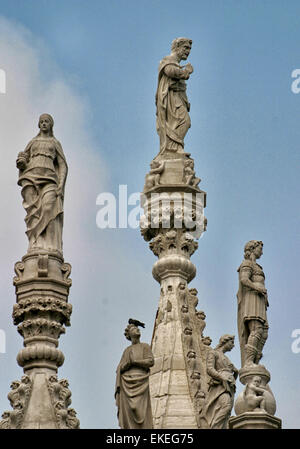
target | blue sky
x=93, y=64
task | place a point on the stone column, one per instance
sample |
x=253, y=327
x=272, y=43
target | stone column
x=39, y=400
x=172, y=222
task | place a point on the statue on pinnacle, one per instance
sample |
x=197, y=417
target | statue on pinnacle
x=42, y=176
x=252, y=305
x=172, y=106
x=40, y=400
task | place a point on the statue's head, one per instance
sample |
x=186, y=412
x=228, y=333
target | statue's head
x=132, y=330
x=256, y=380
x=207, y=341
x=226, y=342
x=253, y=247
x=154, y=164
x=182, y=47
x=46, y=123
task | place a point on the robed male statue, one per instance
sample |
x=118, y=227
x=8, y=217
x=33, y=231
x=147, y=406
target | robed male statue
x=132, y=382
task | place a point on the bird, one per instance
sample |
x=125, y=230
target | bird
x=136, y=322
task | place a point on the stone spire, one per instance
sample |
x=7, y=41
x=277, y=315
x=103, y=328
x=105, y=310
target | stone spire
x=39, y=399
x=172, y=222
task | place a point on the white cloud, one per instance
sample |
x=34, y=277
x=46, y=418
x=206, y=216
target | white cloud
x=34, y=86
x=108, y=278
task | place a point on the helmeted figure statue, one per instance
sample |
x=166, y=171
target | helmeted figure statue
x=42, y=176
x=172, y=106
x=252, y=305
x=220, y=396
x=132, y=382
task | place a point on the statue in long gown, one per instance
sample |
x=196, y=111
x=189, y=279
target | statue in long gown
x=132, y=382
x=223, y=373
x=172, y=106
x=42, y=176
x=252, y=305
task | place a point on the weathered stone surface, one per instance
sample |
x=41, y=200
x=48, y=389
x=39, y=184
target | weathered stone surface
x=253, y=420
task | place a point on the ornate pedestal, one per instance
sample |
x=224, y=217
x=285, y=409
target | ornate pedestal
x=255, y=406
x=253, y=420
x=42, y=310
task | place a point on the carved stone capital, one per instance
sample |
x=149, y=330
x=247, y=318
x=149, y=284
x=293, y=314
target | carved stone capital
x=41, y=326
x=42, y=304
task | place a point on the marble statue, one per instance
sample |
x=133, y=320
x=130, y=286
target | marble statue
x=220, y=396
x=255, y=395
x=42, y=176
x=255, y=406
x=189, y=175
x=132, y=381
x=172, y=106
x=153, y=177
x=252, y=305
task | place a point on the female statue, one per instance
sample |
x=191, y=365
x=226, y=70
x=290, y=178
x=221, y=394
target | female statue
x=221, y=388
x=252, y=305
x=42, y=176
x=132, y=383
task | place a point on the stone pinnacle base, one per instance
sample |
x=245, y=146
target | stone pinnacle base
x=253, y=420
x=40, y=400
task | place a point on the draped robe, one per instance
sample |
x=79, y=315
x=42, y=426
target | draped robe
x=132, y=388
x=42, y=174
x=172, y=106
